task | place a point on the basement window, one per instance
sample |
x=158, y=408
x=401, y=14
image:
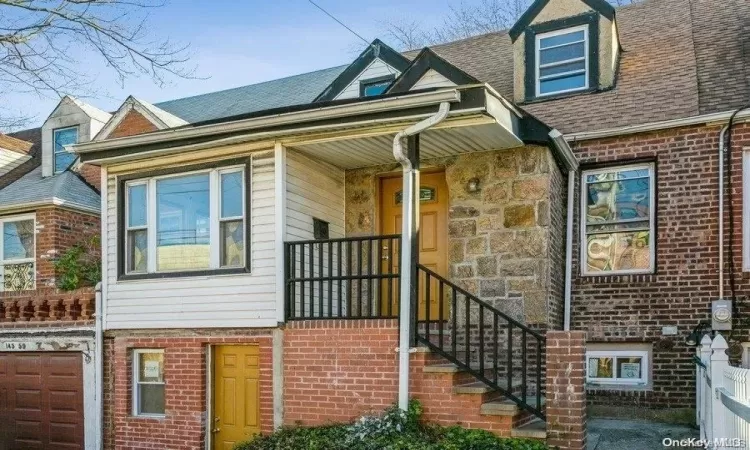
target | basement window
x=618, y=217
x=562, y=61
x=148, y=383
x=620, y=367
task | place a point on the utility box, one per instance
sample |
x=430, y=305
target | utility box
x=721, y=315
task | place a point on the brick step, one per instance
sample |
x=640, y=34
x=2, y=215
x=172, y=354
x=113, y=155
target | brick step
x=505, y=407
x=536, y=429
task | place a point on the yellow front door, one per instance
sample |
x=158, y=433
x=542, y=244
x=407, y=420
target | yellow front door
x=236, y=394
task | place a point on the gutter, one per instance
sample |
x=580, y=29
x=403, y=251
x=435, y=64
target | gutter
x=409, y=250
x=54, y=201
x=309, y=115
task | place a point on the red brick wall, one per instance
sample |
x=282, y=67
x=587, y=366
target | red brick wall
x=635, y=308
x=92, y=174
x=566, y=393
x=57, y=230
x=133, y=123
x=185, y=359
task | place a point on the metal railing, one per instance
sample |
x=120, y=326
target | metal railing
x=478, y=338
x=346, y=278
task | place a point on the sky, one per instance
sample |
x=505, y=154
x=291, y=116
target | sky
x=240, y=42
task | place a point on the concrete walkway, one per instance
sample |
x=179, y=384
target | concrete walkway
x=618, y=434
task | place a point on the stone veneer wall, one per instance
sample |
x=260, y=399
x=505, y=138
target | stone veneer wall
x=499, y=237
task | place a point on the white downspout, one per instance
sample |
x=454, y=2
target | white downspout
x=569, y=248
x=721, y=210
x=99, y=365
x=409, y=231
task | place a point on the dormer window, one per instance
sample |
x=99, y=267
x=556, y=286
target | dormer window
x=562, y=61
x=61, y=157
x=375, y=86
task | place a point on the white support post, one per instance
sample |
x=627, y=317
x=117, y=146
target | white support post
x=705, y=390
x=719, y=362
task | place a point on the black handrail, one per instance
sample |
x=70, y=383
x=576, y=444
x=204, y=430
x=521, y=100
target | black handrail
x=342, y=278
x=473, y=341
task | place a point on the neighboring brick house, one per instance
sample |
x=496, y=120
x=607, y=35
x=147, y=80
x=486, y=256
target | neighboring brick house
x=249, y=232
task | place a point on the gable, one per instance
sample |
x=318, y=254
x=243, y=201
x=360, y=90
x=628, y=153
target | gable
x=136, y=117
x=546, y=10
x=432, y=79
x=428, y=70
x=133, y=123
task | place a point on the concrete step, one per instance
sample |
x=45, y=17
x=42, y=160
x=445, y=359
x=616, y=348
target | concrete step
x=479, y=387
x=536, y=429
x=505, y=407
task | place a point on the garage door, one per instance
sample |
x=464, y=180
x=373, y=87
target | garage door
x=41, y=401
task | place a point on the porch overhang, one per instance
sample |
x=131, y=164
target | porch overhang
x=348, y=134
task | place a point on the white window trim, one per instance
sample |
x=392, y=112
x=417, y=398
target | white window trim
x=135, y=382
x=614, y=354
x=214, y=218
x=54, y=144
x=3, y=262
x=746, y=209
x=652, y=220
x=538, y=60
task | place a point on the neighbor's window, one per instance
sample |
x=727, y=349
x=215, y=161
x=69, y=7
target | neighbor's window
x=148, y=383
x=562, y=61
x=617, y=367
x=17, y=253
x=62, y=137
x=618, y=220
x=171, y=224
x=375, y=86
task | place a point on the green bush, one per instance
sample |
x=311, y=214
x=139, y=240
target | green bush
x=394, y=430
x=79, y=265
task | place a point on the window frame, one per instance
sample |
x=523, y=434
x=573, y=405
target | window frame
x=4, y=262
x=614, y=354
x=243, y=165
x=651, y=167
x=363, y=84
x=54, y=146
x=136, y=383
x=538, y=60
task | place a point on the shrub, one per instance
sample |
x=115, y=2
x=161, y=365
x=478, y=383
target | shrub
x=80, y=265
x=394, y=430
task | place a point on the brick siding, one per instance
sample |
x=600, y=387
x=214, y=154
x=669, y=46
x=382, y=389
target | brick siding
x=133, y=123
x=185, y=361
x=634, y=308
x=92, y=174
x=566, y=393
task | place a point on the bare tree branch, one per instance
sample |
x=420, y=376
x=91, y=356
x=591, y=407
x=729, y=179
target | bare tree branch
x=47, y=45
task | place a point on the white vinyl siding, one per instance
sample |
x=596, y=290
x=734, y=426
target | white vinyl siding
x=9, y=160
x=244, y=300
x=376, y=69
x=432, y=79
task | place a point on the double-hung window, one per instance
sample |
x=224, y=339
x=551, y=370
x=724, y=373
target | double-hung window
x=617, y=367
x=562, y=62
x=186, y=222
x=17, y=253
x=148, y=383
x=62, y=158
x=618, y=220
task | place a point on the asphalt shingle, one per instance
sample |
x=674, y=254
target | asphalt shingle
x=32, y=188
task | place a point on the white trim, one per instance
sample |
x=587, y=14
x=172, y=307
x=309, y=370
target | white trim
x=652, y=220
x=32, y=259
x=135, y=383
x=280, y=220
x=538, y=61
x=615, y=354
x=746, y=209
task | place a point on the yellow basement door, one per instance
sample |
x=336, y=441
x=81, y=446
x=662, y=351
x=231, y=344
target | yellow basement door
x=236, y=396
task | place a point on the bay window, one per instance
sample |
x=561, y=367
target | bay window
x=17, y=253
x=186, y=222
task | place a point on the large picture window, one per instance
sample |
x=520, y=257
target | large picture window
x=618, y=220
x=186, y=222
x=562, y=61
x=17, y=253
x=63, y=158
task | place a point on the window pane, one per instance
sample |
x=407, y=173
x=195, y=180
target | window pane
x=18, y=240
x=562, y=68
x=137, y=205
x=629, y=368
x=232, y=244
x=618, y=251
x=137, y=251
x=618, y=200
x=18, y=277
x=564, y=53
x=151, y=367
x=64, y=159
x=562, y=84
x=561, y=39
x=376, y=88
x=182, y=233
x=600, y=368
x=151, y=399
x=231, y=194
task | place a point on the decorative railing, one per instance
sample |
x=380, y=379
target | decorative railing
x=480, y=339
x=47, y=306
x=347, y=278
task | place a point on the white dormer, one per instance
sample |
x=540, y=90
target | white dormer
x=71, y=122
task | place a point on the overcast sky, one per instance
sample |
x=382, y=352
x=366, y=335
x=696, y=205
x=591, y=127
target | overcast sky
x=240, y=42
